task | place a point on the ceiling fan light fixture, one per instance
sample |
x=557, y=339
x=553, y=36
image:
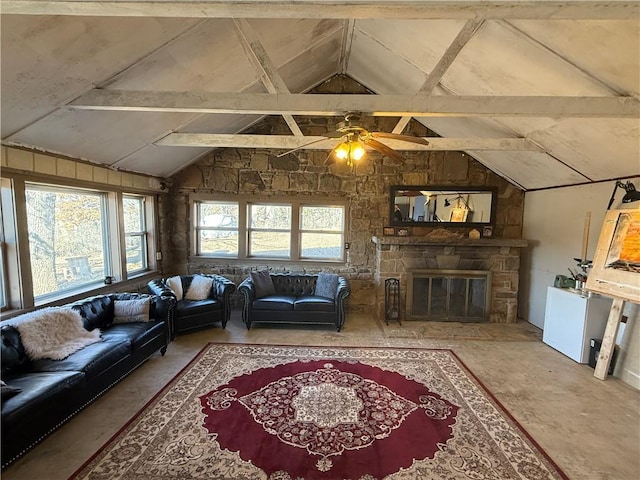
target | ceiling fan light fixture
x=351, y=151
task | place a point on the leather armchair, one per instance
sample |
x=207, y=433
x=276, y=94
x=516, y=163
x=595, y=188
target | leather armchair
x=195, y=314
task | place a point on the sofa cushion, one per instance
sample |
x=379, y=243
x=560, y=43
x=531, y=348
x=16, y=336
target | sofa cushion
x=327, y=285
x=313, y=303
x=275, y=302
x=8, y=391
x=193, y=307
x=175, y=284
x=92, y=360
x=38, y=388
x=262, y=283
x=126, y=311
x=200, y=288
x=138, y=333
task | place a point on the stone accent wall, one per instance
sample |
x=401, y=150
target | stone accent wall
x=262, y=173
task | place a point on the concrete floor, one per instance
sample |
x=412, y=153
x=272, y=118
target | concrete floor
x=590, y=428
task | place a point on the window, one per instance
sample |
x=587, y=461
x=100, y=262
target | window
x=217, y=229
x=321, y=232
x=278, y=230
x=269, y=231
x=67, y=243
x=3, y=271
x=135, y=230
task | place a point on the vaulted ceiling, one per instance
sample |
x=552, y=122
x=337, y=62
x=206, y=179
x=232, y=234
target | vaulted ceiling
x=543, y=93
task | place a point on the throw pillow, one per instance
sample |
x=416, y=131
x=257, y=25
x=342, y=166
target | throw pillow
x=262, y=283
x=8, y=391
x=175, y=284
x=127, y=311
x=200, y=288
x=327, y=285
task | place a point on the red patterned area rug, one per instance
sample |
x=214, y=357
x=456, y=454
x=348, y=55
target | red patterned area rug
x=302, y=413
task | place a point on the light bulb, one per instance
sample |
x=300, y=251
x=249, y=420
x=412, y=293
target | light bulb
x=357, y=151
x=342, y=151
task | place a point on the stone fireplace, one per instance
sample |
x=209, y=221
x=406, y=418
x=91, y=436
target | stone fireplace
x=459, y=271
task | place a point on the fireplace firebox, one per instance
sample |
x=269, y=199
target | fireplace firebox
x=448, y=295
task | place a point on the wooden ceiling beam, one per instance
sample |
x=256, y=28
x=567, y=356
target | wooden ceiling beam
x=372, y=9
x=288, y=142
x=376, y=105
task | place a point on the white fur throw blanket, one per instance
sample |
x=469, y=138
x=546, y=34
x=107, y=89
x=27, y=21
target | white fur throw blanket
x=54, y=332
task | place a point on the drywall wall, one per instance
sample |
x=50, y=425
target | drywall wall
x=554, y=224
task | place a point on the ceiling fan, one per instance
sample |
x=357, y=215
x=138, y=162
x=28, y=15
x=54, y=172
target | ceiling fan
x=355, y=137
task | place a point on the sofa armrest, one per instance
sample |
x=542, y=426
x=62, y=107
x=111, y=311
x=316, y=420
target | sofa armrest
x=248, y=291
x=344, y=290
x=158, y=287
x=222, y=288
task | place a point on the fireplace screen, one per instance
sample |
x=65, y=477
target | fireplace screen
x=449, y=295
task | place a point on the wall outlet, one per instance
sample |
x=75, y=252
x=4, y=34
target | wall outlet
x=347, y=245
x=158, y=256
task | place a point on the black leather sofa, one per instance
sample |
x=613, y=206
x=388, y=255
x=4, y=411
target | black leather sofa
x=294, y=301
x=53, y=391
x=195, y=314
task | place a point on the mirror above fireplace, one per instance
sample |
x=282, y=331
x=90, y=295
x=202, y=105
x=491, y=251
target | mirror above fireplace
x=445, y=206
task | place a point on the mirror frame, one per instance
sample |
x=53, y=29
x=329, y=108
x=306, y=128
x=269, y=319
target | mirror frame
x=449, y=191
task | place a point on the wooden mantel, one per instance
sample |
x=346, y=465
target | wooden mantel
x=450, y=241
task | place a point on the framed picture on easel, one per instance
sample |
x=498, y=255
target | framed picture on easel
x=616, y=264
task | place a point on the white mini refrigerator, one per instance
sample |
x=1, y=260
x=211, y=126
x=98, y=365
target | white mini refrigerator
x=572, y=320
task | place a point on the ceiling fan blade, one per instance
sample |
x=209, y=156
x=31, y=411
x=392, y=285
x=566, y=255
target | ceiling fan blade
x=331, y=159
x=382, y=148
x=335, y=134
x=300, y=147
x=403, y=138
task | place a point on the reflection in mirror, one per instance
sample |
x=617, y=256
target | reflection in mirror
x=427, y=205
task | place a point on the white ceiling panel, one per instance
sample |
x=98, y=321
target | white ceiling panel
x=50, y=60
x=606, y=49
x=81, y=133
x=529, y=170
x=163, y=160
x=599, y=149
x=499, y=61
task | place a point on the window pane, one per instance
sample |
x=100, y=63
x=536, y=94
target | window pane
x=66, y=239
x=223, y=243
x=273, y=217
x=133, y=214
x=322, y=218
x=136, y=253
x=269, y=244
x=321, y=245
x=217, y=229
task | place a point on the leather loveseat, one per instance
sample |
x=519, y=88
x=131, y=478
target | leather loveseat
x=294, y=300
x=50, y=392
x=197, y=311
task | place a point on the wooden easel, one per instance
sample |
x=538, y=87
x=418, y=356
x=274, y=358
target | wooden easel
x=622, y=285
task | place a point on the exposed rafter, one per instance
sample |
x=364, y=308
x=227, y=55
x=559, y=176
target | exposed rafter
x=417, y=9
x=376, y=105
x=450, y=54
x=264, y=66
x=305, y=143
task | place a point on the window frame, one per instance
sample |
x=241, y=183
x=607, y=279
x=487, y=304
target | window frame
x=17, y=272
x=142, y=234
x=244, y=203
